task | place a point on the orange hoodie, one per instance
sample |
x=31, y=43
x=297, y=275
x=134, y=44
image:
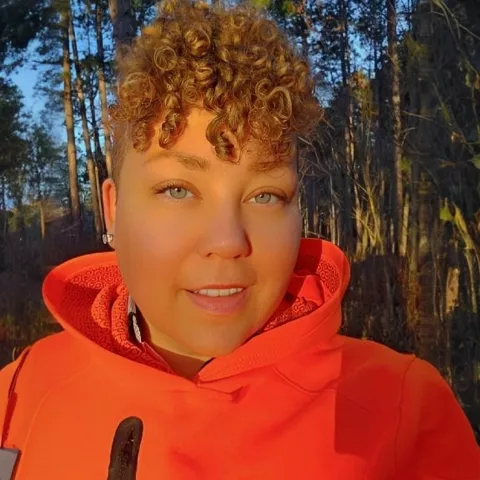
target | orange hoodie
x=297, y=401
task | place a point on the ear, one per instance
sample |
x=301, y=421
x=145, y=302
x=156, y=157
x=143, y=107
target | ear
x=109, y=195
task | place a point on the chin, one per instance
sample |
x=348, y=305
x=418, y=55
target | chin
x=217, y=349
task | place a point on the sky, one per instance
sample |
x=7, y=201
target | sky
x=26, y=78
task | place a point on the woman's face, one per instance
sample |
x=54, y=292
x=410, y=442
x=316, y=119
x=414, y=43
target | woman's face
x=185, y=221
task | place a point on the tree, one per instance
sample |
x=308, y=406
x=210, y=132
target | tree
x=396, y=128
x=11, y=126
x=20, y=23
x=91, y=168
x=43, y=170
x=69, y=119
x=123, y=21
x=102, y=86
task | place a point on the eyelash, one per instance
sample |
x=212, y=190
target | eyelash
x=177, y=184
x=167, y=186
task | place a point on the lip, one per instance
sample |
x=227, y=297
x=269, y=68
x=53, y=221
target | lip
x=218, y=287
x=220, y=305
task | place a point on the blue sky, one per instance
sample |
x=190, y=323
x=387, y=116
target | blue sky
x=25, y=79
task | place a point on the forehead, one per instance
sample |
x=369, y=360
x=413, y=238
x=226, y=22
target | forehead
x=195, y=162
x=193, y=147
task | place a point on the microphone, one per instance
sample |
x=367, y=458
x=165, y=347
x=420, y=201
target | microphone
x=125, y=449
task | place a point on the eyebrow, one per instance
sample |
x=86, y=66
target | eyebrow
x=194, y=162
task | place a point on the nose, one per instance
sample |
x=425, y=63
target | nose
x=224, y=235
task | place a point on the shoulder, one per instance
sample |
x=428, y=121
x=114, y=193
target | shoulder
x=366, y=357
x=401, y=397
x=25, y=382
x=380, y=378
x=382, y=365
x=367, y=352
x=374, y=375
x=47, y=362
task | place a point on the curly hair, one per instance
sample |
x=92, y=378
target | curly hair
x=233, y=62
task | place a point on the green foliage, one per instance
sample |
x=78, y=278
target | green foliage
x=416, y=50
x=31, y=162
x=406, y=165
x=44, y=177
x=445, y=213
x=476, y=161
x=261, y=4
x=11, y=125
x=20, y=22
x=446, y=113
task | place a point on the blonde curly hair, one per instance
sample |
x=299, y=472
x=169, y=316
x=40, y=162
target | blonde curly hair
x=233, y=62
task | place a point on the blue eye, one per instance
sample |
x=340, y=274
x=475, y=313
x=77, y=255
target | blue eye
x=266, y=198
x=176, y=192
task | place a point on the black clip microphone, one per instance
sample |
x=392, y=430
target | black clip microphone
x=125, y=449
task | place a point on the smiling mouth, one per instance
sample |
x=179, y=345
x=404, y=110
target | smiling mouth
x=219, y=301
x=219, y=292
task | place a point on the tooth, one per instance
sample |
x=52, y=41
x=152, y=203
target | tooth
x=224, y=292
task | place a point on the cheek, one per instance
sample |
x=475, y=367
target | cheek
x=151, y=242
x=277, y=244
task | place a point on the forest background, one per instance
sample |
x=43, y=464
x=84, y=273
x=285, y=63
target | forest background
x=392, y=175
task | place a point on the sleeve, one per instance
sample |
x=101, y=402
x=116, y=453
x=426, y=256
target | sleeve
x=435, y=440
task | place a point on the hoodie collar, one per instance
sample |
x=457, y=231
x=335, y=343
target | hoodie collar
x=88, y=298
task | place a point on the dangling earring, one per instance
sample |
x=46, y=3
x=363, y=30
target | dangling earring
x=107, y=238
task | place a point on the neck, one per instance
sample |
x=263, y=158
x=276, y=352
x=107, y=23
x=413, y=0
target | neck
x=184, y=364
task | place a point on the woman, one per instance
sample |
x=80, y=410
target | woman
x=206, y=346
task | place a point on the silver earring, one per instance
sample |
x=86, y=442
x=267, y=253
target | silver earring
x=107, y=238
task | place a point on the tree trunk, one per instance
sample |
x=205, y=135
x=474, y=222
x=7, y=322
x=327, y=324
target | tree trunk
x=452, y=299
x=333, y=214
x=427, y=324
x=102, y=88
x=472, y=267
x=311, y=203
x=92, y=179
x=98, y=153
x=396, y=128
x=86, y=134
x=348, y=144
x=380, y=169
x=41, y=209
x=99, y=190
x=123, y=22
x=69, y=122
x=424, y=212
x=4, y=226
x=452, y=290
x=405, y=225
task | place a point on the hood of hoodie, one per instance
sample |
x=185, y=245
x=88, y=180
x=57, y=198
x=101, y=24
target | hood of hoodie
x=88, y=298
